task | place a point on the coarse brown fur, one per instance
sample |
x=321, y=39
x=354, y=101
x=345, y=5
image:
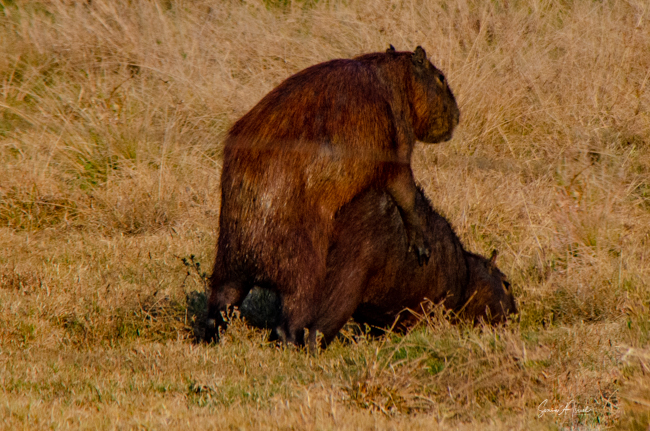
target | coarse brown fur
x=372, y=278
x=302, y=153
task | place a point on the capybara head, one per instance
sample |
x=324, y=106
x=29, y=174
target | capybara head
x=435, y=112
x=488, y=294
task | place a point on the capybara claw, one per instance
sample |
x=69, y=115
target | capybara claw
x=210, y=331
x=419, y=246
x=424, y=253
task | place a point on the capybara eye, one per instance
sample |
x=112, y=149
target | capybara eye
x=506, y=285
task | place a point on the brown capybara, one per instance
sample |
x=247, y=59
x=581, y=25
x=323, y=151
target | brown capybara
x=371, y=277
x=305, y=150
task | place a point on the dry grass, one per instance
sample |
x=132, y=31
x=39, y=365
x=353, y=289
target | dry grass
x=112, y=115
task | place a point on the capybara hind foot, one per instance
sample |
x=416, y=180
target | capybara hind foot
x=211, y=331
x=222, y=298
x=290, y=336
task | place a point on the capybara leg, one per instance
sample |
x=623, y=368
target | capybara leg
x=298, y=311
x=403, y=190
x=313, y=343
x=329, y=324
x=290, y=334
x=344, y=286
x=222, y=298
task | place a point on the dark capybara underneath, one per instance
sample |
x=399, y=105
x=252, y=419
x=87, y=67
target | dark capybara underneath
x=371, y=277
x=304, y=151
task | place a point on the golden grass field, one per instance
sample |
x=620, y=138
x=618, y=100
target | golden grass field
x=112, y=117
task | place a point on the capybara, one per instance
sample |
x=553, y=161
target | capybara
x=304, y=151
x=371, y=277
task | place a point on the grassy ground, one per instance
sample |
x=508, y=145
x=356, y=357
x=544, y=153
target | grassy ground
x=112, y=115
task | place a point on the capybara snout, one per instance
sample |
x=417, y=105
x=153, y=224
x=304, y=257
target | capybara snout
x=434, y=91
x=488, y=296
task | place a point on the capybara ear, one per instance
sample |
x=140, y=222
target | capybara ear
x=493, y=258
x=390, y=50
x=419, y=56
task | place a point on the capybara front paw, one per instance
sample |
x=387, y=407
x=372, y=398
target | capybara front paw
x=420, y=246
x=211, y=331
